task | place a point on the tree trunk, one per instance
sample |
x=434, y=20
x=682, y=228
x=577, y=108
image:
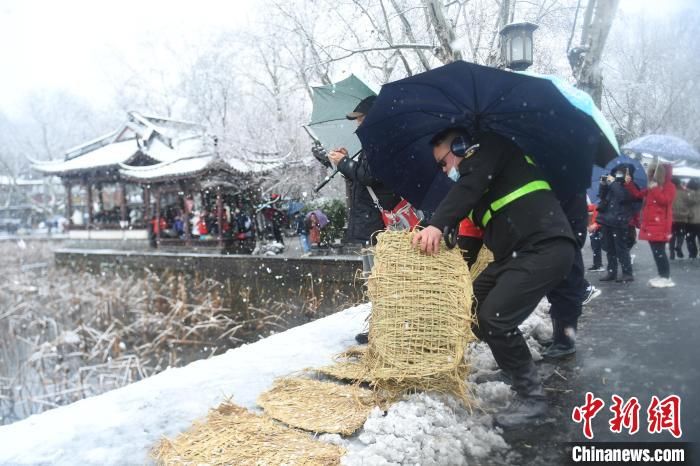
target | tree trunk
x=585, y=59
x=443, y=30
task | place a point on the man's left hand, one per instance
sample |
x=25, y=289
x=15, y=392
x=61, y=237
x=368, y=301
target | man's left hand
x=427, y=240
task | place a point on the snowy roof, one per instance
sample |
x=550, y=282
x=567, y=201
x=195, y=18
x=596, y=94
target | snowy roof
x=171, y=147
x=108, y=155
x=183, y=167
x=9, y=180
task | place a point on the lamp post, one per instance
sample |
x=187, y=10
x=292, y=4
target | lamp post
x=516, y=45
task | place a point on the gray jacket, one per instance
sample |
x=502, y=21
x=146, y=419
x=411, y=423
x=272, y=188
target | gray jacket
x=681, y=206
x=694, y=206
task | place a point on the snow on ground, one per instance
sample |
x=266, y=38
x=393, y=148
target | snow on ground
x=120, y=426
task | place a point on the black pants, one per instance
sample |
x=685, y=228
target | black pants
x=470, y=248
x=617, y=249
x=678, y=232
x=658, y=250
x=692, y=237
x=567, y=297
x=507, y=292
x=597, y=248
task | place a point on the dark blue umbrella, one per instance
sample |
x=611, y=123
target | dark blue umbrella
x=563, y=138
x=633, y=166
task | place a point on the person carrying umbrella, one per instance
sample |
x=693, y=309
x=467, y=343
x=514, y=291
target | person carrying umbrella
x=657, y=217
x=502, y=191
x=364, y=218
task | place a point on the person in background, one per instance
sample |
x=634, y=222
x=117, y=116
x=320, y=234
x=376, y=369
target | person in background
x=615, y=211
x=568, y=297
x=681, y=217
x=303, y=233
x=596, y=239
x=242, y=223
x=693, y=233
x=364, y=218
x=314, y=228
x=657, y=217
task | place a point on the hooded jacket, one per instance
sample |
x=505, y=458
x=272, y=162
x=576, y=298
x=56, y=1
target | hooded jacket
x=657, y=211
x=617, y=206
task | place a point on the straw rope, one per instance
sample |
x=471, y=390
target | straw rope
x=421, y=317
x=484, y=258
x=230, y=435
x=316, y=406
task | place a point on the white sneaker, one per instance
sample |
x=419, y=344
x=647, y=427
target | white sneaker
x=591, y=293
x=660, y=282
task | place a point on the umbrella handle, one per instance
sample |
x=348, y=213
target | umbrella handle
x=450, y=235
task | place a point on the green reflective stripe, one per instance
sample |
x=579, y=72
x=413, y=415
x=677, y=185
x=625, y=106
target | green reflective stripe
x=486, y=218
x=532, y=186
x=529, y=160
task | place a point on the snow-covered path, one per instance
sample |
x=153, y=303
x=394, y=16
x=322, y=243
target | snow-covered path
x=119, y=427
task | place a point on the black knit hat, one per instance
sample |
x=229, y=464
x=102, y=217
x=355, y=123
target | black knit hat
x=362, y=108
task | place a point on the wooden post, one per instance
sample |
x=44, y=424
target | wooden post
x=122, y=203
x=157, y=214
x=69, y=203
x=91, y=214
x=186, y=225
x=101, y=198
x=146, y=204
x=220, y=216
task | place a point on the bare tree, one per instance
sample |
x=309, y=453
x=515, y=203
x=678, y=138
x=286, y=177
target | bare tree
x=585, y=59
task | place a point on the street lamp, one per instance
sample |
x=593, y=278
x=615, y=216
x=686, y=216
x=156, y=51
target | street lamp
x=516, y=45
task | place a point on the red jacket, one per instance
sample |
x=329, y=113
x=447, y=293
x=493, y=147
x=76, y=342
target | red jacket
x=657, y=212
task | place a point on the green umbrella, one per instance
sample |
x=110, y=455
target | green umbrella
x=331, y=103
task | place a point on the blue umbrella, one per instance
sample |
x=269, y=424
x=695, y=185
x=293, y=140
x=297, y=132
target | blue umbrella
x=662, y=145
x=546, y=123
x=593, y=189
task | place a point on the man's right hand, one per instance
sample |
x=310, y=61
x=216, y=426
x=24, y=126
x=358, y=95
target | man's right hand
x=337, y=155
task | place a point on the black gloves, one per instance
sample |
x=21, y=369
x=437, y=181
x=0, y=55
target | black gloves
x=321, y=155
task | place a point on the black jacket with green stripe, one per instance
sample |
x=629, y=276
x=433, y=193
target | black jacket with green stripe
x=505, y=193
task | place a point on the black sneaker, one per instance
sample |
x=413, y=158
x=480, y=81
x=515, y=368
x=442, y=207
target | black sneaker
x=558, y=351
x=362, y=338
x=609, y=278
x=596, y=268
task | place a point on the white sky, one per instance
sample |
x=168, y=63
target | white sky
x=80, y=45
x=84, y=46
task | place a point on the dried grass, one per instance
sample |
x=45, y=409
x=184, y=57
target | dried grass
x=230, y=435
x=67, y=334
x=484, y=258
x=421, y=318
x=317, y=406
